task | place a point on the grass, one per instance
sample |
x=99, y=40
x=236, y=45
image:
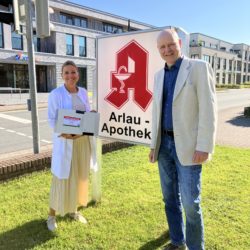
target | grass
x=131, y=214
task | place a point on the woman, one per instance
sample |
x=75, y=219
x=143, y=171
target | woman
x=71, y=153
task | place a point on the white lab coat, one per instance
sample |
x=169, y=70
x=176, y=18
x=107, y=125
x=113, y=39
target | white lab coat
x=60, y=98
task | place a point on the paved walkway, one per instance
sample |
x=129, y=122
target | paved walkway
x=16, y=101
x=233, y=128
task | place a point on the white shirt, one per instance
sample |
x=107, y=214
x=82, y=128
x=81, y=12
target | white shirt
x=60, y=98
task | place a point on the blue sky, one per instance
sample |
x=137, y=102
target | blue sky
x=228, y=20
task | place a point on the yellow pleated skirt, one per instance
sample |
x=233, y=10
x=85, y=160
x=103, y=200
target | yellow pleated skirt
x=66, y=195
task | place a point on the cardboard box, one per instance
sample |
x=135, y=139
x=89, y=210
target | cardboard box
x=77, y=122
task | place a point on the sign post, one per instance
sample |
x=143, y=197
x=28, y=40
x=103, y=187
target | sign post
x=32, y=77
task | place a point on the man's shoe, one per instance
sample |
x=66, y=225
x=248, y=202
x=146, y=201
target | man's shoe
x=78, y=217
x=171, y=246
x=51, y=223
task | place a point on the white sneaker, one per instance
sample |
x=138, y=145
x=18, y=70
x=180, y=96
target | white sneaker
x=78, y=217
x=51, y=223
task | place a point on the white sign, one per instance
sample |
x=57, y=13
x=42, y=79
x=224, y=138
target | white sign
x=126, y=64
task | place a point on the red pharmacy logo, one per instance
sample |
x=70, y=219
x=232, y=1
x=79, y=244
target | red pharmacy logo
x=131, y=74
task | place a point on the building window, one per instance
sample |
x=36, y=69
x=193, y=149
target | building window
x=44, y=45
x=213, y=46
x=69, y=44
x=217, y=77
x=230, y=65
x=22, y=76
x=1, y=35
x=37, y=43
x=111, y=28
x=17, y=40
x=41, y=78
x=80, y=22
x=223, y=78
x=195, y=56
x=6, y=75
x=245, y=56
x=73, y=20
x=224, y=63
x=66, y=19
x=82, y=46
x=82, y=77
x=193, y=43
x=218, y=63
x=206, y=58
x=238, y=66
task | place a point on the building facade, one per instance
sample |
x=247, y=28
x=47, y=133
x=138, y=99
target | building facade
x=72, y=38
x=230, y=62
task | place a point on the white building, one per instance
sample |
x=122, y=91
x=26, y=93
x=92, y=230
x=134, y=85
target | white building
x=73, y=38
x=231, y=62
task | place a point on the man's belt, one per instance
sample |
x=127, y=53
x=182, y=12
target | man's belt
x=168, y=132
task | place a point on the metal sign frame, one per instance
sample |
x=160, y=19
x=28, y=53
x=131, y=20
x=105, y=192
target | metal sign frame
x=184, y=36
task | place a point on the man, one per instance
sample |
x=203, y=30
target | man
x=183, y=136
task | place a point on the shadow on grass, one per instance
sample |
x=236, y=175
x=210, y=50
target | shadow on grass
x=92, y=203
x=156, y=243
x=26, y=236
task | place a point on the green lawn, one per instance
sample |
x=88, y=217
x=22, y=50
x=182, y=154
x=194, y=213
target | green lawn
x=131, y=214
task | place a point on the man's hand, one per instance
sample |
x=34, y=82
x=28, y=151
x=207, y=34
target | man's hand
x=151, y=156
x=200, y=157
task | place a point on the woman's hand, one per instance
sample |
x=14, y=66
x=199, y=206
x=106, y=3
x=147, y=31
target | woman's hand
x=69, y=136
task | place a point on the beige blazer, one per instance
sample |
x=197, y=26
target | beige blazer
x=194, y=110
